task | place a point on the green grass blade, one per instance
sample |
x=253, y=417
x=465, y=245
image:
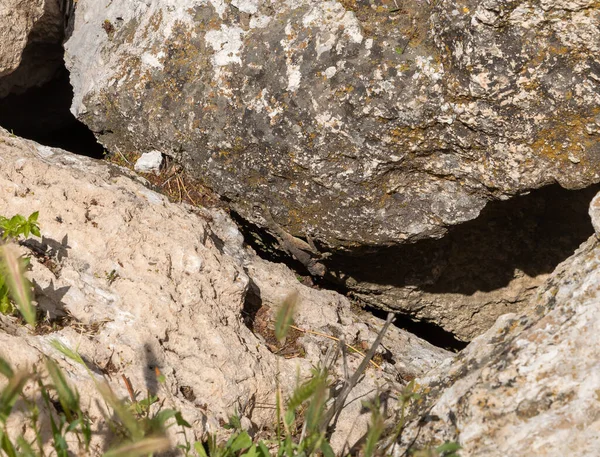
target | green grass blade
x=132, y=425
x=10, y=393
x=68, y=398
x=67, y=352
x=5, y=369
x=18, y=285
x=25, y=448
x=285, y=316
x=7, y=446
x=140, y=448
x=376, y=428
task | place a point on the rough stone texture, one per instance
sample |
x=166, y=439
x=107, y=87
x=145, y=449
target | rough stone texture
x=480, y=269
x=350, y=123
x=529, y=385
x=156, y=284
x=353, y=124
x=30, y=35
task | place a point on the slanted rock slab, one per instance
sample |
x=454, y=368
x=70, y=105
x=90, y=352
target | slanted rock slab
x=530, y=384
x=141, y=283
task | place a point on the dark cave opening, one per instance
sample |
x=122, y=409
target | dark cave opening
x=42, y=114
x=35, y=98
x=532, y=233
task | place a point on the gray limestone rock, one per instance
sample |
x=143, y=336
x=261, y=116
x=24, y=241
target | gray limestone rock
x=149, y=162
x=31, y=33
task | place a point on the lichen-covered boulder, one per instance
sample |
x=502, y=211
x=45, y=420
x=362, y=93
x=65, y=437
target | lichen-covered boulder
x=30, y=35
x=529, y=385
x=344, y=124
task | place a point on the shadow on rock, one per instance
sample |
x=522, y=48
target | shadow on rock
x=531, y=233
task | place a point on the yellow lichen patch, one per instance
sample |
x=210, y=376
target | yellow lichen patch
x=565, y=139
x=153, y=24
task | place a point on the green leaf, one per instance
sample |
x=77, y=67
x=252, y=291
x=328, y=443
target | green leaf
x=181, y=421
x=263, y=450
x=242, y=441
x=19, y=286
x=327, y=450
x=251, y=452
x=234, y=423
x=285, y=316
x=5, y=368
x=448, y=446
x=163, y=416
x=60, y=445
x=199, y=447
x=33, y=217
x=140, y=448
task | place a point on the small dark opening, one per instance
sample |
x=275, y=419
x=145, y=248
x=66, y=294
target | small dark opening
x=42, y=114
x=428, y=331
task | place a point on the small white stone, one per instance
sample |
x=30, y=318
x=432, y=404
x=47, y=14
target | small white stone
x=574, y=159
x=330, y=72
x=149, y=162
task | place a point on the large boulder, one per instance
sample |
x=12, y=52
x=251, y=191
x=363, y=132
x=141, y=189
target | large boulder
x=350, y=122
x=31, y=33
x=529, y=385
x=138, y=283
x=345, y=125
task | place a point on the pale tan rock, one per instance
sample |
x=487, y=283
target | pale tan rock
x=168, y=286
x=530, y=384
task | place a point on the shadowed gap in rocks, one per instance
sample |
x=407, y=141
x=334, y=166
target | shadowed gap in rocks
x=532, y=233
x=42, y=113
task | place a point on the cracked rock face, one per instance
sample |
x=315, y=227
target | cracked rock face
x=151, y=284
x=530, y=384
x=353, y=124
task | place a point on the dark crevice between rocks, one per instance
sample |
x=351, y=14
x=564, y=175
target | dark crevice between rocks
x=532, y=233
x=42, y=114
x=268, y=248
x=430, y=332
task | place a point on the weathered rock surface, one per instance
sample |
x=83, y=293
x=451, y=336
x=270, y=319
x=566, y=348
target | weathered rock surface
x=145, y=283
x=353, y=124
x=529, y=385
x=31, y=33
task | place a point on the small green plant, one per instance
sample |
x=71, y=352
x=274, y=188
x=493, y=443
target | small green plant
x=15, y=289
x=18, y=225
x=14, y=286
